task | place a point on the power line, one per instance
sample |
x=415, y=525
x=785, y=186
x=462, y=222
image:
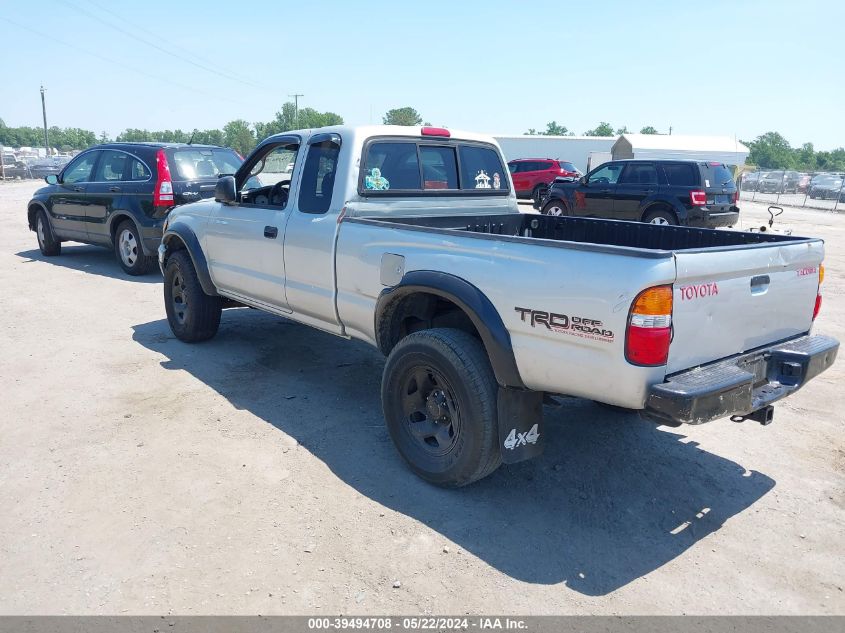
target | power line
x=164, y=50
x=170, y=43
x=121, y=64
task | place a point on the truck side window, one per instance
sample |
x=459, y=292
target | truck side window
x=315, y=194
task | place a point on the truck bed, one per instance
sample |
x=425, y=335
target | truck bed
x=645, y=240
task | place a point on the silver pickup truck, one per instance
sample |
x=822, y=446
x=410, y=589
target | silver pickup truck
x=411, y=239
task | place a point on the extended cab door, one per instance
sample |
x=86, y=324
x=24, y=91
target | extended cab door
x=635, y=186
x=244, y=242
x=595, y=196
x=311, y=233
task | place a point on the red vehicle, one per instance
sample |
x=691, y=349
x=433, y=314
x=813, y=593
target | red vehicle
x=532, y=176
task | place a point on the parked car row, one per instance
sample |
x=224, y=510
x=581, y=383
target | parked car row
x=690, y=193
x=823, y=185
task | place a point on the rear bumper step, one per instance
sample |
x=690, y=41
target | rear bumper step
x=742, y=385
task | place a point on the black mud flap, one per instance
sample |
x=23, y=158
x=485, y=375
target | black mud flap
x=520, y=424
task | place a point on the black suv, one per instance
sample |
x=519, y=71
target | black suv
x=117, y=195
x=657, y=191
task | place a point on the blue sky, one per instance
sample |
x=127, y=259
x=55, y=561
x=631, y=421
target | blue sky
x=734, y=68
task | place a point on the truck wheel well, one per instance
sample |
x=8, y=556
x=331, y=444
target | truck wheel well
x=420, y=311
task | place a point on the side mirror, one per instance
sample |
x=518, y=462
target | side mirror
x=51, y=179
x=583, y=180
x=224, y=190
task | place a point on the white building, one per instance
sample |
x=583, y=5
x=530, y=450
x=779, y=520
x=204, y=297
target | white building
x=718, y=149
x=575, y=149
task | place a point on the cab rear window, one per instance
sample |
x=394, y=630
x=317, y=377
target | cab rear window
x=408, y=166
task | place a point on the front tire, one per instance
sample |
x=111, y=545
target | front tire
x=129, y=252
x=659, y=217
x=438, y=393
x=47, y=242
x=537, y=194
x=554, y=208
x=193, y=316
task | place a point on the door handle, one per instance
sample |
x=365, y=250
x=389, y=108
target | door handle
x=78, y=189
x=115, y=189
x=271, y=231
x=650, y=190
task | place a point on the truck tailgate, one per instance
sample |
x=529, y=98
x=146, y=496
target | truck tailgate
x=729, y=301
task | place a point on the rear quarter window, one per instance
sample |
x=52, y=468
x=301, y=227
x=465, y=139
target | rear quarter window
x=719, y=176
x=203, y=163
x=681, y=174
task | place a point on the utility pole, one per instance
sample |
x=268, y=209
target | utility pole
x=670, y=130
x=296, y=108
x=44, y=112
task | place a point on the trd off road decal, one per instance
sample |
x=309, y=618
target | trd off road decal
x=573, y=325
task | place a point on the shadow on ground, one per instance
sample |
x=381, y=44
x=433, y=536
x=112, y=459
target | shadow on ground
x=613, y=497
x=90, y=259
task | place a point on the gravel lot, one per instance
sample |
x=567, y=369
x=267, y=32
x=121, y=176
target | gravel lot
x=253, y=474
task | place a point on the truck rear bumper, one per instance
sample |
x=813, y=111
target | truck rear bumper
x=742, y=384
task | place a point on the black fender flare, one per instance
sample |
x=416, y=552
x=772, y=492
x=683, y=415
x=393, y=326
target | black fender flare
x=185, y=235
x=476, y=305
x=30, y=216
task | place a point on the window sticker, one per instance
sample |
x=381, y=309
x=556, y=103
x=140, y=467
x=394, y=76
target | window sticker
x=375, y=181
x=497, y=182
x=706, y=183
x=482, y=180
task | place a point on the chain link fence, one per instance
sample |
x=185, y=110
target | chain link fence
x=813, y=190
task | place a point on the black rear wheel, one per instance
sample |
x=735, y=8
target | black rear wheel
x=129, y=252
x=439, y=398
x=660, y=216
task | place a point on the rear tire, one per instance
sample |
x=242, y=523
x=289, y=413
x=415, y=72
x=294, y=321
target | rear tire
x=129, y=251
x=193, y=316
x=439, y=395
x=660, y=217
x=47, y=242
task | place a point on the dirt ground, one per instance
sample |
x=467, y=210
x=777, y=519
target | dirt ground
x=253, y=474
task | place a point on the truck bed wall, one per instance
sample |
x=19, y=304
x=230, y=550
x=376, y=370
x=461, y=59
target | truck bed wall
x=577, y=284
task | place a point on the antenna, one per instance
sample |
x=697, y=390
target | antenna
x=193, y=134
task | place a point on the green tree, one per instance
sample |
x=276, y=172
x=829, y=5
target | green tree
x=402, y=116
x=553, y=129
x=648, y=129
x=239, y=136
x=288, y=119
x=104, y=137
x=602, y=129
x=622, y=130
x=532, y=132
x=771, y=150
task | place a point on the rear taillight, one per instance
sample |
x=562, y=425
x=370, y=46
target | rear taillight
x=649, y=330
x=818, y=305
x=735, y=197
x=697, y=198
x=163, y=192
